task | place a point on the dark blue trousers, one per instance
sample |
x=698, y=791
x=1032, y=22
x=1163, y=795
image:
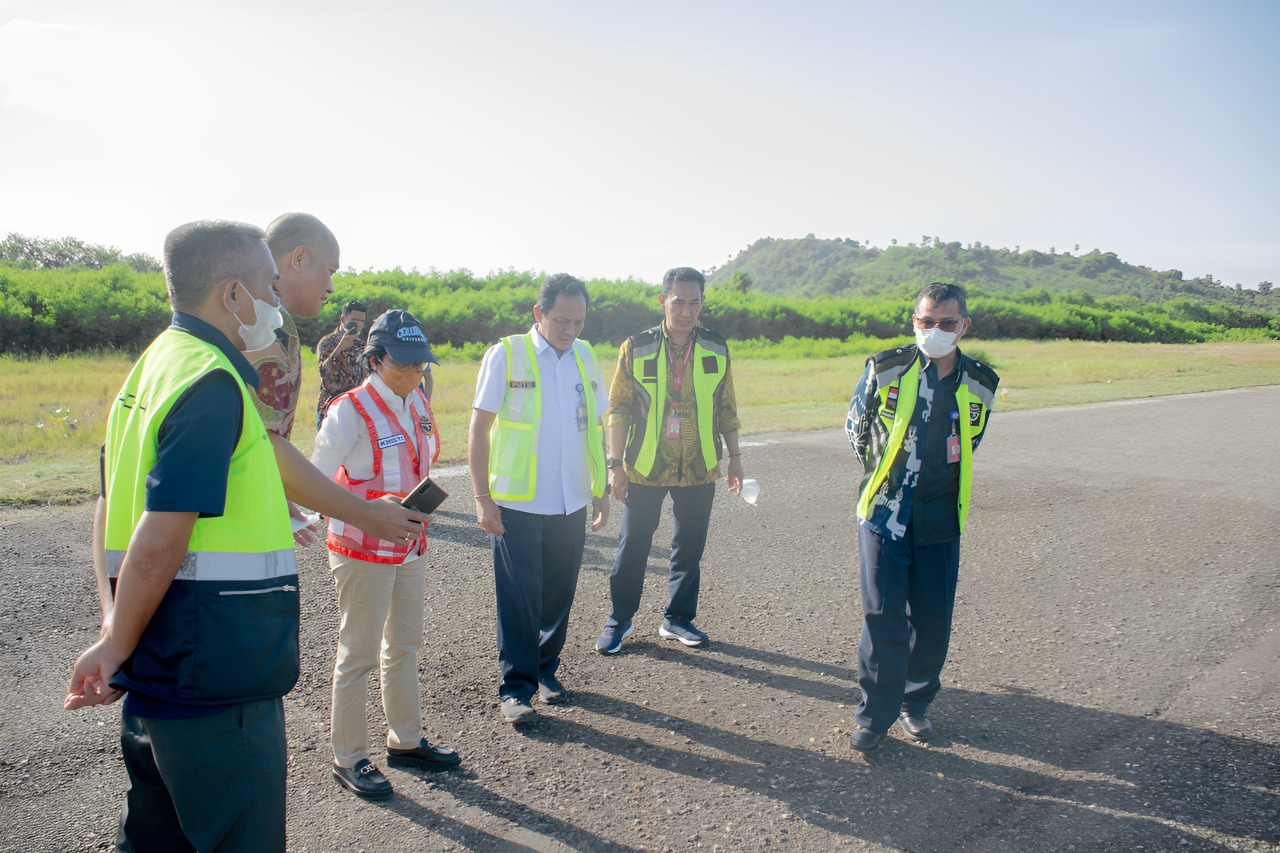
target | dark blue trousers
x=691, y=506
x=535, y=573
x=908, y=596
x=205, y=783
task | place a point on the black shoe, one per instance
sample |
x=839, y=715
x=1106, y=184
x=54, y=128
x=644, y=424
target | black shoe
x=424, y=756
x=551, y=691
x=364, y=780
x=915, y=726
x=865, y=740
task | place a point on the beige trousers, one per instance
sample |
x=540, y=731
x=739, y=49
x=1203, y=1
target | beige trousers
x=381, y=609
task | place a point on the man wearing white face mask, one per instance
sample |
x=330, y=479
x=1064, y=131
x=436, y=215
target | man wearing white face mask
x=917, y=416
x=192, y=519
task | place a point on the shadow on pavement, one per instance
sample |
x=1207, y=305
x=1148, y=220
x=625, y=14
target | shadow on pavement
x=1032, y=773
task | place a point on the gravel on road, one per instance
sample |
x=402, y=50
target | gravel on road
x=1113, y=681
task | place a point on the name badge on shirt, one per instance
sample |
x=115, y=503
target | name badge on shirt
x=391, y=441
x=953, y=448
x=673, y=426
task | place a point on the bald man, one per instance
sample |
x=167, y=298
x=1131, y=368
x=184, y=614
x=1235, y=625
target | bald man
x=306, y=254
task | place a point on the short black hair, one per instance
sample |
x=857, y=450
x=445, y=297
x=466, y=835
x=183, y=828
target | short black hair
x=683, y=274
x=354, y=305
x=941, y=291
x=200, y=254
x=560, y=283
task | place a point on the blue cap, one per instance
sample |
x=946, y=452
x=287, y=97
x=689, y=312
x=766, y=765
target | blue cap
x=401, y=334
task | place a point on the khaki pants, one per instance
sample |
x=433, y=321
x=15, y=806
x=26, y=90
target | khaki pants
x=381, y=608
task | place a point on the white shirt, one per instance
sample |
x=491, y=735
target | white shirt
x=344, y=436
x=564, y=472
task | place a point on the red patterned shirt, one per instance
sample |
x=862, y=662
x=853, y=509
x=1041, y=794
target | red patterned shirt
x=279, y=369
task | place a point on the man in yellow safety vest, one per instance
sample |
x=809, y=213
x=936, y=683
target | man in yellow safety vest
x=917, y=416
x=536, y=455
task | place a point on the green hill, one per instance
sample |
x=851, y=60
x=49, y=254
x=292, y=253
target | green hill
x=810, y=267
x=777, y=289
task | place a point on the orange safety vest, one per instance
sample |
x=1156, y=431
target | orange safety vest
x=394, y=473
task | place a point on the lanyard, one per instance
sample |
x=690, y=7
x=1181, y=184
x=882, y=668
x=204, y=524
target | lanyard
x=679, y=373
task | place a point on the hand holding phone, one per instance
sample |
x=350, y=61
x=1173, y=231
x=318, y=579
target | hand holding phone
x=425, y=497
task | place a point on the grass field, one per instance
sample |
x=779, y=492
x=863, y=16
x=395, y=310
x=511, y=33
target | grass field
x=52, y=410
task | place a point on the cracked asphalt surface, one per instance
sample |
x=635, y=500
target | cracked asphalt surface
x=1113, y=681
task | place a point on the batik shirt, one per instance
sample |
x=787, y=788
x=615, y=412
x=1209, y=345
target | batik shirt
x=279, y=369
x=339, y=372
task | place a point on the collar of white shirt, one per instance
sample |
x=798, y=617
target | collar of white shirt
x=397, y=403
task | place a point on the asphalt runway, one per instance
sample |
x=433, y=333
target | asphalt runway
x=1113, y=681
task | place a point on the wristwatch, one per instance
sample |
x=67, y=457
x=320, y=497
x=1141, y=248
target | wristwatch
x=612, y=462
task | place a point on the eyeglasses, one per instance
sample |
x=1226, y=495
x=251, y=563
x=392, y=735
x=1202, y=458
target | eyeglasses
x=944, y=325
x=416, y=367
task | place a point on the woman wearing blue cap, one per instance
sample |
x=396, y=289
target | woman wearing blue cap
x=379, y=439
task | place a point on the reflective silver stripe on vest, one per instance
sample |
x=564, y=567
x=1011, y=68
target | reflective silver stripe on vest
x=224, y=565
x=977, y=389
x=893, y=372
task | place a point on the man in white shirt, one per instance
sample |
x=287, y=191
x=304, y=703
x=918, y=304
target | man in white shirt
x=536, y=455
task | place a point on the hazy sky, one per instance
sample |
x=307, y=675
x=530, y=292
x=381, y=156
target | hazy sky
x=613, y=139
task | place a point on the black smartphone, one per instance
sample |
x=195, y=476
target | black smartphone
x=350, y=327
x=425, y=497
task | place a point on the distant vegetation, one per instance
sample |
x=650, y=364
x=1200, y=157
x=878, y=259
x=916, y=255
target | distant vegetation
x=818, y=267
x=35, y=253
x=802, y=289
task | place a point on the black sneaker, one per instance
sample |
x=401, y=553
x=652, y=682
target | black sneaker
x=610, y=642
x=364, y=780
x=424, y=756
x=682, y=630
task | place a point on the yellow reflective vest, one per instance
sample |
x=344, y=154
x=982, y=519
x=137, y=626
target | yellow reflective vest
x=513, y=438
x=897, y=379
x=226, y=630
x=708, y=364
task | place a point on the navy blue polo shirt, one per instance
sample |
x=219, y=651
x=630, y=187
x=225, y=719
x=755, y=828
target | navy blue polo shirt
x=195, y=444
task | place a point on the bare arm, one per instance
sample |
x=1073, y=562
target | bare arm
x=734, y=474
x=305, y=484
x=155, y=554
x=617, y=440
x=478, y=463
x=428, y=383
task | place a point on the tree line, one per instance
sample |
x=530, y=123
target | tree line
x=116, y=307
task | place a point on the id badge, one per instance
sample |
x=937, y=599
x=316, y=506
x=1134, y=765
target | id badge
x=953, y=449
x=582, y=417
x=673, y=426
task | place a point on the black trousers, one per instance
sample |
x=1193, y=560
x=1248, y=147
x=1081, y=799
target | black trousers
x=214, y=783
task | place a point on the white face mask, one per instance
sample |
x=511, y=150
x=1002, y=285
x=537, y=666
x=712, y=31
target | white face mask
x=936, y=343
x=262, y=333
